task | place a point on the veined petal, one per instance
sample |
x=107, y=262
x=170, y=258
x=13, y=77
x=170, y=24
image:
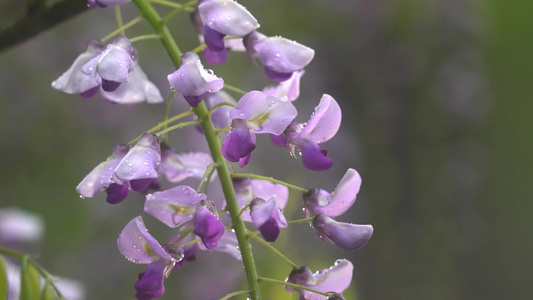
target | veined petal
x=267, y=113
x=207, y=226
x=137, y=89
x=73, y=81
x=314, y=158
x=289, y=88
x=239, y=143
x=283, y=55
x=102, y=175
x=192, y=79
x=174, y=206
x=338, y=202
x=227, y=17
x=325, y=121
x=142, y=160
x=138, y=246
x=178, y=167
x=345, y=235
x=267, y=218
x=150, y=284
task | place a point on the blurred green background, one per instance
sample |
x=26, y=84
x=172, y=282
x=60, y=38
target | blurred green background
x=436, y=98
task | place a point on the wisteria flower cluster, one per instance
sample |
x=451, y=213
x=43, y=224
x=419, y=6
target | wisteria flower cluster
x=250, y=206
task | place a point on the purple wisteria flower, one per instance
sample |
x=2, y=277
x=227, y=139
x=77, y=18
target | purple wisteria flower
x=336, y=278
x=222, y=18
x=73, y=81
x=280, y=56
x=345, y=235
x=105, y=3
x=102, y=177
x=112, y=65
x=256, y=112
x=321, y=127
x=336, y=203
x=192, y=80
x=181, y=204
x=137, y=89
x=221, y=115
x=138, y=246
x=178, y=167
x=267, y=218
x=246, y=190
x=289, y=88
x=17, y=225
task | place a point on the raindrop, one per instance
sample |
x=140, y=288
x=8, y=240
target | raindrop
x=81, y=197
x=172, y=89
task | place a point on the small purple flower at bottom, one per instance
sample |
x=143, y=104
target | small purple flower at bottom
x=138, y=246
x=336, y=278
x=345, y=235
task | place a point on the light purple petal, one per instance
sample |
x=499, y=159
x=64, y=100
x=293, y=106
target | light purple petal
x=114, y=63
x=220, y=116
x=228, y=244
x=283, y=55
x=102, y=175
x=178, y=167
x=267, y=113
x=174, y=206
x=338, y=202
x=17, y=225
x=207, y=226
x=73, y=81
x=301, y=276
x=314, y=158
x=345, y=235
x=239, y=143
x=325, y=121
x=267, y=218
x=150, y=284
x=227, y=17
x=137, y=89
x=192, y=79
x=142, y=161
x=266, y=190
x=336, y=278
x=138, y=246
x=289, y=88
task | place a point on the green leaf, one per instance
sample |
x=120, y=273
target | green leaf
x=48, y=292
x=3, y=279
x=30, y=284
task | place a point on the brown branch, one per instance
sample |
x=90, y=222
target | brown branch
x=40, y=21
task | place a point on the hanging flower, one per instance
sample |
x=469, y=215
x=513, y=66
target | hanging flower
x=345, y=235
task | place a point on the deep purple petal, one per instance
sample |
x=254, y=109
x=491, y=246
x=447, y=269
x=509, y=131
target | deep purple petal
x=215, y=57
x=137, y=245
x=227, y=17
x=207, y=226
x=101, y=176
x=277, y=76
x=278, y=140
x=117, y=192
x=174, y=206
x=150, y=284
x=325, y=121
x=142, y=161
x=282, y=55
x=267, y=113
x=300, y=276
x=110, y=86
x=141, y=185
x=267, y=218
x=213, y=39
x=239, y=143
x=345, y=235
x=337, y=203
x=314, y=158
x=193, y=100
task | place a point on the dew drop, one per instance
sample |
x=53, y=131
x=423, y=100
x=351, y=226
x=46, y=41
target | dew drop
x=82, y=197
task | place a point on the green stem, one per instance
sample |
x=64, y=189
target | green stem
x=167, y=3
x=214, y=146
x=177, y=126
x=231, y=295
x=118, y=16
x=273, y=180
x=207, y=176
x=301, y=287
x=163, y=124
x=276, y=251
x=234, y=89
x=300, y=221
x=144, y=37
x=185, y=7
x=119, y=30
